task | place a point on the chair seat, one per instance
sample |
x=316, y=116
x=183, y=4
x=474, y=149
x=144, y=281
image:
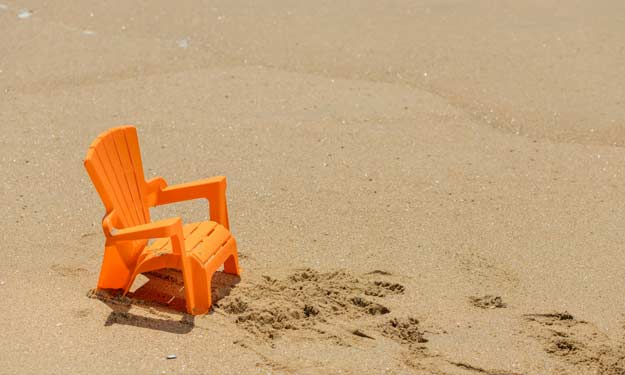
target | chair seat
x=202, y=240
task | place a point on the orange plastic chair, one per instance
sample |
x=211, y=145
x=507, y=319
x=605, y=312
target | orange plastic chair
x=198, y=249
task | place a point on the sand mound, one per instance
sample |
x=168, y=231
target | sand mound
x=303, y=299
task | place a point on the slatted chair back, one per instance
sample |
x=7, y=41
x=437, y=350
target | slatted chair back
x=114, y=165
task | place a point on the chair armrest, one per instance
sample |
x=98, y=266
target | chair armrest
x=159, y=229
x=107, y=224
x=213, y=189
x=168, y=228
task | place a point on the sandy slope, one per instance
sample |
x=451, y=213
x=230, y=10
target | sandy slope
x=386, y=164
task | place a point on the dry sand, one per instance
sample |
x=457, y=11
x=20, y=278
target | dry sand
x=430, y=187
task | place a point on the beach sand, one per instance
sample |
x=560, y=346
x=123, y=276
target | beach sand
x=430, y=187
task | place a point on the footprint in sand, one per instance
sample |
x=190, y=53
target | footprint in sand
x=488, y=302
x=578, y=343
x=382, y=288
x=404, y=330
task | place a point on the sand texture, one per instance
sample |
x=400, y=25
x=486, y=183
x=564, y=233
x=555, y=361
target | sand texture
x=416, y=187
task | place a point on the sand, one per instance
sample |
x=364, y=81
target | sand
x=430, y=187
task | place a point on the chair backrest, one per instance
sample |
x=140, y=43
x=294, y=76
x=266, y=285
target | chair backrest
x=114, y=165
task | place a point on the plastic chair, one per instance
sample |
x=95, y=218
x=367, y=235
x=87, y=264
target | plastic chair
x=198, y=249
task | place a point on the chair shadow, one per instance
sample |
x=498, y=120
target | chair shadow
x=159, y=303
